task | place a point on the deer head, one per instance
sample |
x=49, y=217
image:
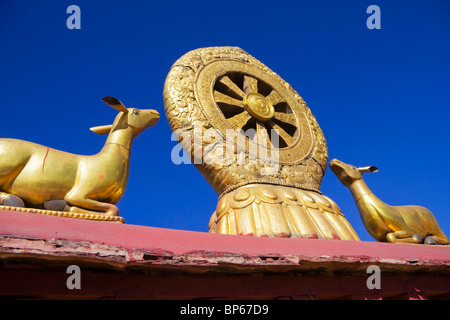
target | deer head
x=137, y=120
x=347, y=173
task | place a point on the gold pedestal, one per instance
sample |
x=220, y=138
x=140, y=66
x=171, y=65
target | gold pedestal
x=66, y=214
x=280, y=211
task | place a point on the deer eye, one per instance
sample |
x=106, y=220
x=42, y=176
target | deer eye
x=136, y=111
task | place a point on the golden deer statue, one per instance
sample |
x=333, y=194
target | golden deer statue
x=40, y=177
x=411, y=224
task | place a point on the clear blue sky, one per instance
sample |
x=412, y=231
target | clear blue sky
x=382, y=97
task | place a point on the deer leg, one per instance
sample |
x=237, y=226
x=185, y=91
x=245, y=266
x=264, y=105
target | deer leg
x=97, y=207
x=77, y=197
x=435, y=234
x=84, y=205
x=11, y=200
x=403, y=236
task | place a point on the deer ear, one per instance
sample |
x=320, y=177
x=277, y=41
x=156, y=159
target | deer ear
x=115, y=103
x=367, y=169
x=102, y=129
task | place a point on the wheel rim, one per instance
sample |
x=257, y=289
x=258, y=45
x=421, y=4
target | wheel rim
x=238, y=96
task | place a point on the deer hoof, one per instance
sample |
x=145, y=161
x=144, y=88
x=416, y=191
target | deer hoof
x=430, y=240
x=417, y=238
x=112, y=213
x=13, y=201
x=55, y=205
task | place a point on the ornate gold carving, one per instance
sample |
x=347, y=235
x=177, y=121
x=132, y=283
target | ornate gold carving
x=410, y=224
x=280, y=211
x=210, y=91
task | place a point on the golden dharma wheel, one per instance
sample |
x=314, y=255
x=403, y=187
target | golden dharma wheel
x=243, y=125
x=227, y=90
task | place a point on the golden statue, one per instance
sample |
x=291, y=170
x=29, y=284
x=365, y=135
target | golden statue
x=256, y=142
x=69, y=184
x=411, y=224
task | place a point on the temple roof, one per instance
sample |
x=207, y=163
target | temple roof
x=34, y=247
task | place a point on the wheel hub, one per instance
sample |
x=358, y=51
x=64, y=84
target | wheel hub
x=259, y=107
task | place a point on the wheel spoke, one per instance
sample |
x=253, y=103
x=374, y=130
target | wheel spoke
x=239, y=120
x=250, y=84
x=262, y=135
x=282, y=133
x=232, y=86
x=220, y=97
x=275, y=98
x=286, y=117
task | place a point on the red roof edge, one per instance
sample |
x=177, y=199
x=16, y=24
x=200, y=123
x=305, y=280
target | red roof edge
x=170, y=242
x=138, y=262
